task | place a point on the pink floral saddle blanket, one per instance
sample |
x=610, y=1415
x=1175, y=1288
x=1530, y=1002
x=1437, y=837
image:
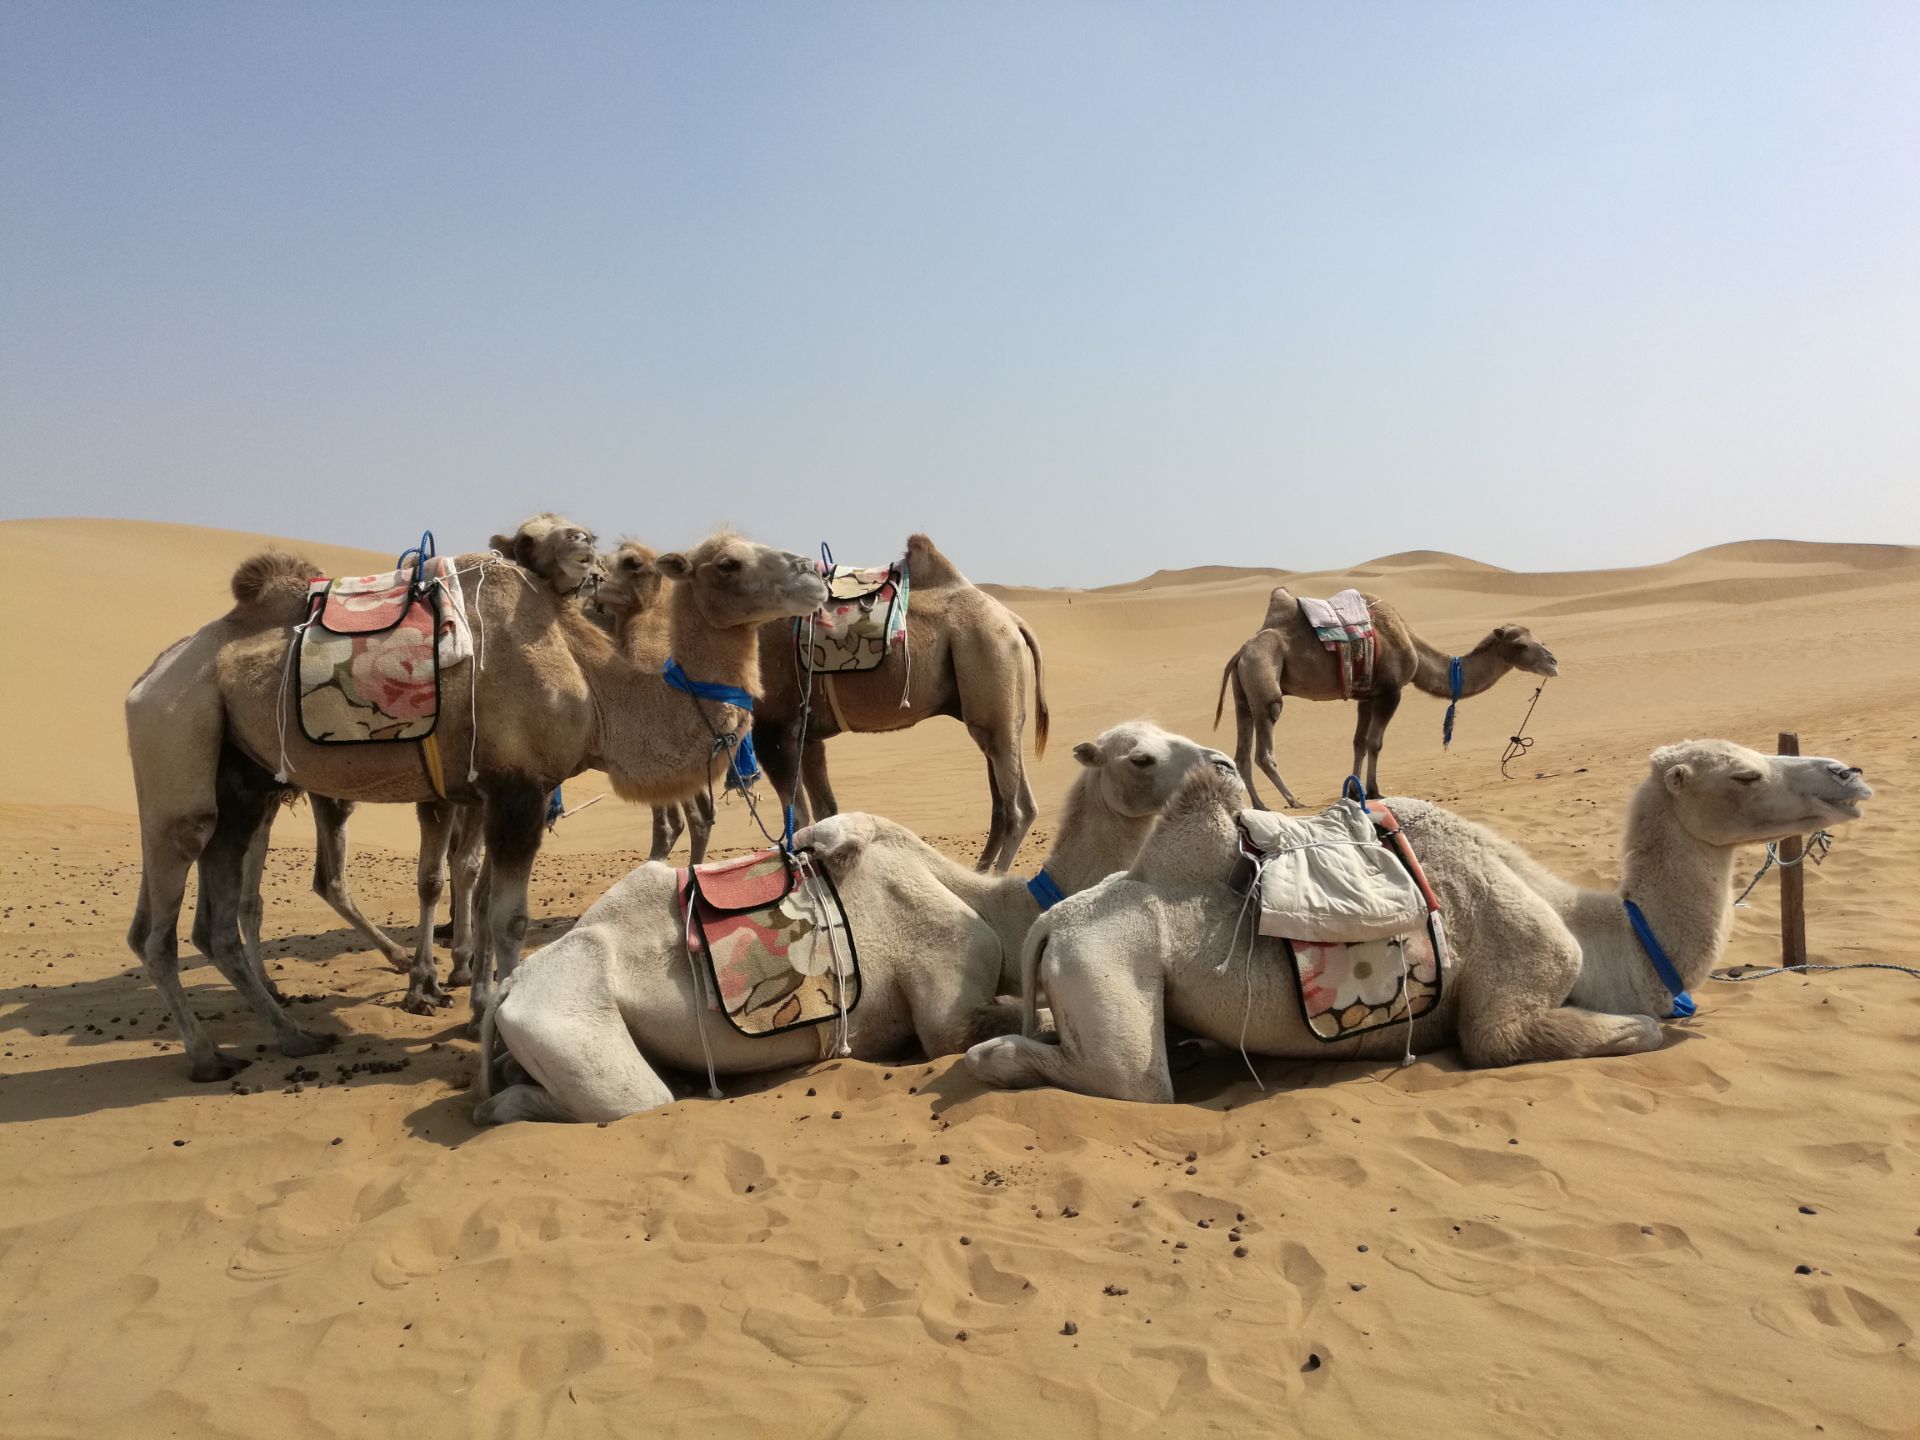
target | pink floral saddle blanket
x=1346, y=894
x=777, y=950
x=863, y=621
x=1344, y=624
x=372, y=649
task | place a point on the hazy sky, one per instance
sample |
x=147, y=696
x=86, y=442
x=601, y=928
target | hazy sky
x=1080, y=289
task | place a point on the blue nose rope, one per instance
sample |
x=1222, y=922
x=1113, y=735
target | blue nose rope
x=1453, y=687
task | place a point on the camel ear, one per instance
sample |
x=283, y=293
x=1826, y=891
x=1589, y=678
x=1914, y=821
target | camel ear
x=1677, y=776
x=501, y=545
x=1087, y=753
x=674, y=565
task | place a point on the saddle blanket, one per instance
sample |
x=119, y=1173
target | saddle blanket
x=778, y=951
x=864, y=619
x=1361, y=925
x=1344, y=625
x=372, y=649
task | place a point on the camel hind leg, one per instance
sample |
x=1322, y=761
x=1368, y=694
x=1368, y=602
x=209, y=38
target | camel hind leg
x=464, y=852
x=1014, y=807
x=168, y=851
x=1263, y=726
x=330, y=877
x=424, y=994
x=1378, y=713
x=698, y=815
x=1243, y=739
x=1513, y=993
x=1109, y=1014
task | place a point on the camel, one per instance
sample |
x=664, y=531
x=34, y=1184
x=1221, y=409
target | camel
x=965, y=656
x=561, y=554
x=1287, y=658
x=213, y=741
x=1541, y=969
x=589, y=1016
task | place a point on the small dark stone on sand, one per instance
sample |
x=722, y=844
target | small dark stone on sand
x=1239, y=1252
x=178, y=1143
x=960, y=1335
x=1193, y=1169
x=1069, y=1328
x=944, y=1160
x=1808, y=1210
x=1361, y=1248
x=1067, y=1212
x=1355, y=1286
x=834, y=1116
x=966, y=1240
x=335, y=1141
x=1114, y=1290
x=1179, y=1244
x=1513, y=1142
x=810, y=1090
x=1313, y=1363
x=1798, y=1269
x=1204, y=1224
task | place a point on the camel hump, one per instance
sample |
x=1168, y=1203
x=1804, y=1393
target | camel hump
x=927, y=566
x=1280, y=604
x=272, y=578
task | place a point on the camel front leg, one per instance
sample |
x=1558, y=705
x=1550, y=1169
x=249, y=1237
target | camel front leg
x=816, y=781
x=424, y=994
x=1513, y=993
x=330, y=876
x=1109, y=1013
x=666, y=830
x=516, y=812
x=1385, y=703
x=698, y=813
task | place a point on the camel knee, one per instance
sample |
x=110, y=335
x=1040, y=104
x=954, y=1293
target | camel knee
x=1562, y=1033
x=519, y=1102
x=1011, y=1062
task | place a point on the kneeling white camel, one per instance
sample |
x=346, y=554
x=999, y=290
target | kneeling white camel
x=937, y=943
x=1541, y=969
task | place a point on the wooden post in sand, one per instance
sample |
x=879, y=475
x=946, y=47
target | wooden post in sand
x=1793, y=894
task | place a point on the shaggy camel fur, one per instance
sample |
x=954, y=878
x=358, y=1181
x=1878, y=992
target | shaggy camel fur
x=935, y=941
x=1287, y=658
x=211, y=723
x=1541, y=969
x=628, y=596
x=966, y=656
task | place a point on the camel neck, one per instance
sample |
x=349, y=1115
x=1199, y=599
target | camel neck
x=1093, y=840
x=708, y=653
x=1480, y=668
x=1681, y=885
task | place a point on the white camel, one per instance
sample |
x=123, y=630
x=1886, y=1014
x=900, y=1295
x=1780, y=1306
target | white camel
x=1541, y=969
x=937, y=943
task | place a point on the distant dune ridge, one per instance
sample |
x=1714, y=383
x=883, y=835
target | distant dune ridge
x=1725, y=1226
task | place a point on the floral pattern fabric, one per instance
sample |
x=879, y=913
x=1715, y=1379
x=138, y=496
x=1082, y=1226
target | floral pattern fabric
x=782, y=964
x=864, y=619
x=371, y=654
x=1349, y=989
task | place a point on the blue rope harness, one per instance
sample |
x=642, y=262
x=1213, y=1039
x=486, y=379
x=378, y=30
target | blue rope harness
x=1453, y=704
x=743, y=767
x=1042, y=888
x=1662, y=966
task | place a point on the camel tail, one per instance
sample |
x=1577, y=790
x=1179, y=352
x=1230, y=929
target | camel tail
x=1220, y=705
x=1041, y=719
x=271, y=577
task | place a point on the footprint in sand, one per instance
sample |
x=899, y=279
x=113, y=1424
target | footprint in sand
x=1506, y=1167
x=1870, y=1153
x=1836, y=1315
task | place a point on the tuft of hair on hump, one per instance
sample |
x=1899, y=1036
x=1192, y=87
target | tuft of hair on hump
x=272, y=576
x=927, y=566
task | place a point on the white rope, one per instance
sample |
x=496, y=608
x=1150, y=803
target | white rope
x=811, y=879
x=1768, y=972
x=699, y=998
x=1253, y=938
x=1817, y=846
x=478, y=624
x=293, y=659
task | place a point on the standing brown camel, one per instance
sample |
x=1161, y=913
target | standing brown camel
x=210, y=724
x=965, y=656
x=1287, y=658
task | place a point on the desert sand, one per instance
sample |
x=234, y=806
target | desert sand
x=1718, y=1239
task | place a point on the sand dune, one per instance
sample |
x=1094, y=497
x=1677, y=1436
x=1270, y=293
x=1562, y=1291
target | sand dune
x=1572, y=1249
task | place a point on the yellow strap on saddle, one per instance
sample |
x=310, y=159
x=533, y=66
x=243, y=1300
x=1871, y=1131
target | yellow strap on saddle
x=430, y=752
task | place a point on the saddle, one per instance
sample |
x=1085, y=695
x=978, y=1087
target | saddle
x=372, y=648
x=864, y=618
x=1344, y=625
x=778, y=952
x=1345, y=893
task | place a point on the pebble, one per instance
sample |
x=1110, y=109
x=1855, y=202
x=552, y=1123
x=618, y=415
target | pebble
x=1114, y=1290
x=1239, y=1252
x=1069, y=1328
x=1798, y=1269
x=944, y=1160
x=1313, y=1363
x=178, y=1143
x=966, y=1240
x=1808, y=1210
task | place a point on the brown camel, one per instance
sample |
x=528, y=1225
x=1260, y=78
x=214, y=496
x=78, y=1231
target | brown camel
x=209, y=726
x=965, y=656
x=1287, y=658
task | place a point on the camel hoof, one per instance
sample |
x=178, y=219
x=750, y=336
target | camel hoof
x=402, y=963
x=462, y=974
x=216, y=1067
x=305, y=1042
x=1001, y=1061
x=425, y=1000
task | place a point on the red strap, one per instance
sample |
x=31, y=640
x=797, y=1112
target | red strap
x=1388, y=824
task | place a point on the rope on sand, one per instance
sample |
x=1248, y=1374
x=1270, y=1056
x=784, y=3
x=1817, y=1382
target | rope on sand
x=1769, y=971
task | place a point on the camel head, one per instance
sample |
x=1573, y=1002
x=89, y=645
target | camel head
x=1137, y=766
x=552, y=547
x=632, y=581
x=1515, y=645
x=1725, y=794
x=734, y=581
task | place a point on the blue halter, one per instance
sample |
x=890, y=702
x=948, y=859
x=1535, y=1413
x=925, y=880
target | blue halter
x=1042, y=888
x=1662, y=966
x=1453, y=704
x=743, y=766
